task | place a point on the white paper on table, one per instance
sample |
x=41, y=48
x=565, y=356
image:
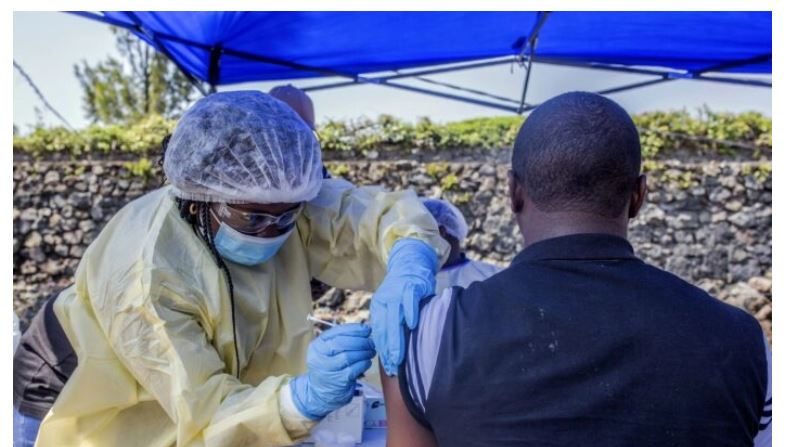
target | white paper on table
x=342, y=426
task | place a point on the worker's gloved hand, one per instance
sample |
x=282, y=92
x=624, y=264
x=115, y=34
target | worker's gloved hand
x=334, y=361
x=411, y=277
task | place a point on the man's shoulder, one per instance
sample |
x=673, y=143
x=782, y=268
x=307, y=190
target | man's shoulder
x=683, y=290
x=529, y=279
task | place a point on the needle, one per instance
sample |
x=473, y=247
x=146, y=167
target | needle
x=318, y=320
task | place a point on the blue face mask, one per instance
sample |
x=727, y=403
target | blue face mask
x=245, y=249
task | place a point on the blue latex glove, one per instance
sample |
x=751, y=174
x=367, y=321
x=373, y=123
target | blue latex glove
x=334, y=361
x=411, y=277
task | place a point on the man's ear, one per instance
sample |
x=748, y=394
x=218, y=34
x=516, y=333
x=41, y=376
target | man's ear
x=516, y=194
x=638, y=196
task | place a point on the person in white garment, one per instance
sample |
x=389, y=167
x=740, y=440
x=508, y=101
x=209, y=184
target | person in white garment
x=17, y=332
x=458, y=270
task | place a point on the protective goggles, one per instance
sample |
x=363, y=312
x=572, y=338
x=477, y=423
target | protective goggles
x=253, y=222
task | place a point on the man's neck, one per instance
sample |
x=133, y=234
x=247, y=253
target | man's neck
x=538, y=226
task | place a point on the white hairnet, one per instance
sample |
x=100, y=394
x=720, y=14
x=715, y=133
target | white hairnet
x=447, y=216
x=243, y=146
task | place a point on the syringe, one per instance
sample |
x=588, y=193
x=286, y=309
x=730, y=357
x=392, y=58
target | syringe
x=319, y=321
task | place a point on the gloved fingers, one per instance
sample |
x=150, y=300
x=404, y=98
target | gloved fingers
x=345, y=359
x=377, y=318
x=355, y=370
x=351, y=329
x=346, y=395
x=411, y=299
x=395, y=338
x=337, y=345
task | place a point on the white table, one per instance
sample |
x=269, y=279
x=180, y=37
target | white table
x=372, y=437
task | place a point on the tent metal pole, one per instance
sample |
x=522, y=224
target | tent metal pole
x=431, y=71
x=385, y=82
x=733, y=64
x=600, y=66
x=532, y=38
x=465, y=89
x=527, y=79
x=700, y=74
x=642, y=71
x=214, y=69
x=468, y=66
x=610, y=91
x=329, y=86
x=615, y=89
x=749, y=82
x=478, y=102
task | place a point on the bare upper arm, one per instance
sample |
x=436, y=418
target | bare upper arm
x=403, y=429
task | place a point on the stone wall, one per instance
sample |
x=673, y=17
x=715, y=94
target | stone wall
x=708, y=222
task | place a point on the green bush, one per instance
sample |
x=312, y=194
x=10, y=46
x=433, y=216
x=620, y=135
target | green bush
x=709, y=132
x=450, y=182
x=339, y=170
x=140, y=168
x=661, y=132
x=487, y=133
x=142, y=138
x=436, y=170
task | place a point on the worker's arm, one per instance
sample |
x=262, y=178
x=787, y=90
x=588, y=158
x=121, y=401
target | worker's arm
x=403, y=429
x=349, y=232
x=160, y=329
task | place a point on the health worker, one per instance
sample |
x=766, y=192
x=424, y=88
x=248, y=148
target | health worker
x=188, y=311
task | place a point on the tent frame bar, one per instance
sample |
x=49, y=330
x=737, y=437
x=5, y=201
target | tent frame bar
x=214, y=74
x=479, y=102
x=632, y=86
x=466, y=89
x=697, y=75
x=423, y=72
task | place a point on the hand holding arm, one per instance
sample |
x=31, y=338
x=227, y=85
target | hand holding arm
x=410, y=278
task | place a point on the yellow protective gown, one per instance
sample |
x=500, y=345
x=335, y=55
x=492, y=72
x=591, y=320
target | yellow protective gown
x=149, y=317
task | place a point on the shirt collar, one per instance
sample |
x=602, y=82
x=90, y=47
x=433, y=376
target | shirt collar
x=578, y=246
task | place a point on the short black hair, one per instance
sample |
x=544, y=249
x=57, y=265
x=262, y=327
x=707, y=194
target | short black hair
x=578, y=151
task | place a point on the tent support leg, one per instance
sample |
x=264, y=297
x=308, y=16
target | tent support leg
x=522, y=106
x=214, y=68
x=531, y=46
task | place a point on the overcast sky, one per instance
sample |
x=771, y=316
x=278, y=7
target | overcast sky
x=48, y=44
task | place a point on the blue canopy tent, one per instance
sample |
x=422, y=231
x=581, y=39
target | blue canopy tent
x=220, y=48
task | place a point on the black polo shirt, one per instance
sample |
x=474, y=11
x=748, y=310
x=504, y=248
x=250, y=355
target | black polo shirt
x=579, y=342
